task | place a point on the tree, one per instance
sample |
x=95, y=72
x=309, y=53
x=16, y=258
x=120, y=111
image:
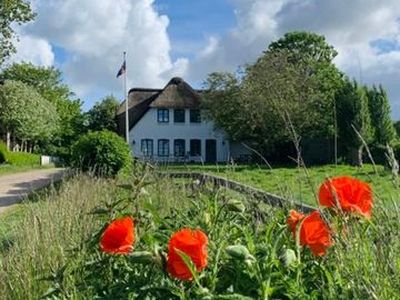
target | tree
x=25, y=115
x=379, y=108
x=12, y=11
x=354, y=120
x=48, y=82
x=397, y=127
x=311, y=52
x=102, y=115
x=291, y=86
x=222, y=101
x=305, y=46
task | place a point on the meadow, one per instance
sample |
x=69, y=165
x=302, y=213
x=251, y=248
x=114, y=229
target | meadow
x=298, y=184
x=49, y=246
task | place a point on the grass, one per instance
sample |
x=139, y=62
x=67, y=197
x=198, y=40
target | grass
x=50, y=246
x=6, y=169
x=297, y=184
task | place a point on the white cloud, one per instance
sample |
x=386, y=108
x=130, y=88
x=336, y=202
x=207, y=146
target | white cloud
x=94, y=33
x=33, y=49
x=350, y=26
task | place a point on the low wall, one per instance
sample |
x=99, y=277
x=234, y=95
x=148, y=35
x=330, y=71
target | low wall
x=255, y=193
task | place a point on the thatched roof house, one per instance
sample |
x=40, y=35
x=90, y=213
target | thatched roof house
x=176, y=94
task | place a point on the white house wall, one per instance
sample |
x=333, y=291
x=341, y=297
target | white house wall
x=148, y=127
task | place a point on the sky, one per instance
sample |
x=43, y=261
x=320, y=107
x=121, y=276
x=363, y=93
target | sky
x=192, y=38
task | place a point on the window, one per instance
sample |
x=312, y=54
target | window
x=195, y=116
x=147, y=147
x=179, y=115
x=163, y=147
x=163, y=115
x=195, y=147
x=179, y=148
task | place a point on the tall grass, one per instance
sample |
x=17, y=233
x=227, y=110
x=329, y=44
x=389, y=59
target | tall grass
x=44, y=233
x=364, y=263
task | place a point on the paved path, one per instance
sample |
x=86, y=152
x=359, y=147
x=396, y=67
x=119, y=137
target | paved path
x=14, y=187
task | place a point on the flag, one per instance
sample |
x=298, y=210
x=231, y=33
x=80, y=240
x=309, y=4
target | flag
x=122, y=70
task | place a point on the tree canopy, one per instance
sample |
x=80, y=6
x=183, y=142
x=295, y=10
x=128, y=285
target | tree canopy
x=102, y=115
x=305, y=46
x=291, y=86
x=354, y=121
x=24, y=114
x=47, y=81
x=12, y=12
x=379, y=107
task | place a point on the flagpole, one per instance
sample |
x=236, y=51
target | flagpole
x=126, y=104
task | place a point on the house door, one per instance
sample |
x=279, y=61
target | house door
x=211, y=151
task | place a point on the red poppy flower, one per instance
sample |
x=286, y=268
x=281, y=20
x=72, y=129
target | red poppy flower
x=118, y=237
x=194, y=244
x=314, y=233
x=294, y=218
x=353, y=195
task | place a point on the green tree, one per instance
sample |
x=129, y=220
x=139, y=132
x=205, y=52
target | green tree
x=102, y=115
x=288, y=92
x=48, y=82
x=311, y=53
x=12, y=12
x=354, y=122
x=379, y=108
x=222, y=100
x=305, y=47
x=25, y=115
x=397, y=127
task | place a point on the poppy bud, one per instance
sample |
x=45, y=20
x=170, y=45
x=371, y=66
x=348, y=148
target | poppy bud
x=239, y=252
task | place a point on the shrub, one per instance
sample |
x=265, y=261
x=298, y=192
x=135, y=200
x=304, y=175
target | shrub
x=102, y=152
x=3, y=153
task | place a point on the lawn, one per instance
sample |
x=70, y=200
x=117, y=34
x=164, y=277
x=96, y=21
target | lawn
x=298, y=184
x=50, y=246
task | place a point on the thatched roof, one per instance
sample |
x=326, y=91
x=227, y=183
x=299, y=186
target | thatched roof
x=176, y=94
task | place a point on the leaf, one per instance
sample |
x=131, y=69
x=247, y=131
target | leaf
x=189, y=264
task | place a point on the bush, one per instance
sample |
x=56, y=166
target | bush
x=102, y=152
x=18, y=158
x=3, y=153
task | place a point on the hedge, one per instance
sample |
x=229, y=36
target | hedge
x=18, y=158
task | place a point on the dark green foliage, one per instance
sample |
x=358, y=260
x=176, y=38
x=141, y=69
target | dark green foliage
x=353, y=120
x=102, y=115
x=397, y=127
x=103, y=152
x=12, y=12
x=3, y=152
x=379, y=107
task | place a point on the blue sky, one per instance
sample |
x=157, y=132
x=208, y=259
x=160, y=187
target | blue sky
x=192, y=38
x=192, y=22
